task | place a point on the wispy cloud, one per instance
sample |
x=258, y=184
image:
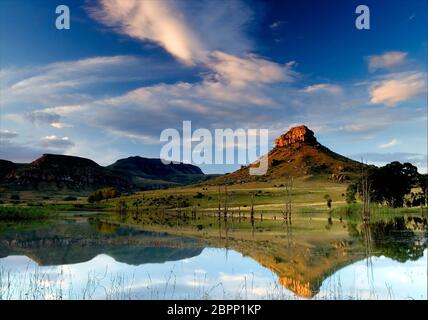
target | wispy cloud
x=324, y=87
x=157, y=21
x=187, y=32
x=389, y=144
x=276, y=24
x=386, y=60
x=41, y=117
x=233, y=84
x=240, y=72
x=60, y=125
x=68, y=81
x=380, y=159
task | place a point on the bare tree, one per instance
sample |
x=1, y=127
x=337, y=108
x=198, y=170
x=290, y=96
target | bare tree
x=288, y=199
x=365, y=190
x=219, y=202
x=252, y=209
x=225, y=203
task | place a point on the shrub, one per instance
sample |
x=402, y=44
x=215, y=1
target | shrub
x=351, y=191
x=70, y=198
x=278, y=259
x=275, y=162
x=103, y=194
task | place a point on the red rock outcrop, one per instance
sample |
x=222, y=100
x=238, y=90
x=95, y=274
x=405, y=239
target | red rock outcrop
x=296, y=134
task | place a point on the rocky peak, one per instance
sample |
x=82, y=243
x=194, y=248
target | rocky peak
x=294, y=135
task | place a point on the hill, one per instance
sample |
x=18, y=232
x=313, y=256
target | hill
x=52, y=172
x=297, y=153
x=152, y=173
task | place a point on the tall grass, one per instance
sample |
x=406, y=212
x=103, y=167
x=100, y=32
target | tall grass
x=353, y=212
x=104, y=285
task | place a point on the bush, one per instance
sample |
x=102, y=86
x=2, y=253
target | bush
x=278, y=259
x=70, y=198
x=275, y=162
x=15, y=197
x=103, y=194
x=351, y=191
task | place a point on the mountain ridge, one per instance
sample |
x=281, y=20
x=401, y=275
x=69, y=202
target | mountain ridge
x=298, y=153
x=54, y=171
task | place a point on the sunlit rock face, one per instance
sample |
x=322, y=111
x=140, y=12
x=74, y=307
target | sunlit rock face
x=294, y=135
x=302, y=289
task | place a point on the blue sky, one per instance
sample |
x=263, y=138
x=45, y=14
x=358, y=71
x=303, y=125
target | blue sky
x=126, y=70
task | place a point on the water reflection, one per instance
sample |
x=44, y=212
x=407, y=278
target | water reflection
x=398, y=238
x=70, y=242
x=78, y=259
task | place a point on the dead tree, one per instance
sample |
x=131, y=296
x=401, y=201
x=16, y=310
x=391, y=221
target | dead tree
x=365, y=190
x=219, y=203
x=252, y=209
x=193, y=213
x=288, y=199
x=225, y=203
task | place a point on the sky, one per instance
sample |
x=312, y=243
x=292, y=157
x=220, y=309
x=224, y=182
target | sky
x=126, y=70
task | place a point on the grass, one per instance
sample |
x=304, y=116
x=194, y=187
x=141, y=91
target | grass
x=307, y=193
x=17, y=213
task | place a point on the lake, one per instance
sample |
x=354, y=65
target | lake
x=85, y=259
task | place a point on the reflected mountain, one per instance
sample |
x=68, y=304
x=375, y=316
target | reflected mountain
x=302, y=258
x=70, y=242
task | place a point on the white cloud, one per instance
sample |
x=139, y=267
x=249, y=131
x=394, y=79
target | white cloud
x=60, y=125
x=239, y=72
x=398, y=87
x=380, y=159
x=55, y=142
x=386, y=60
x=7, y=134
x=276, y=24
x=389, y=144
x=326, y=87
x=157, y=21
x=244, y=84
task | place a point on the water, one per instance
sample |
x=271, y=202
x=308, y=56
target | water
x=77, y=259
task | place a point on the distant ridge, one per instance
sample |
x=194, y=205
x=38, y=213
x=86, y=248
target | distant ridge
x=145, y=171
x=53, y=171
x=57, y=172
